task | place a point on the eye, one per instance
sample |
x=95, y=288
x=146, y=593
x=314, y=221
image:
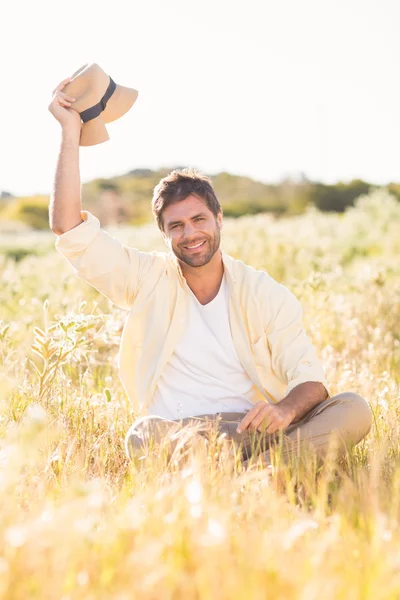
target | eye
x=200, y=219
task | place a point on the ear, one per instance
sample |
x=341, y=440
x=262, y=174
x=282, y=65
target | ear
x=219, y=220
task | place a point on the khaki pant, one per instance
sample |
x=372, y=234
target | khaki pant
x=347, y=416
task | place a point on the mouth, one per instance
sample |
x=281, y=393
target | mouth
x=195, y=247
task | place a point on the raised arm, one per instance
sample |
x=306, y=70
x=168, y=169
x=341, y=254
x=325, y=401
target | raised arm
x=65, y=202
x=115, y=270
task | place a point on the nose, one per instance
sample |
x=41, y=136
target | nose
x=189, y=230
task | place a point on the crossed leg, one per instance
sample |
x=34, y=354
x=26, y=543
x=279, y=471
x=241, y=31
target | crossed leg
x=346, y=415
x=149, y=433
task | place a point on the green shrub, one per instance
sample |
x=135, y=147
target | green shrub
x=32, y=210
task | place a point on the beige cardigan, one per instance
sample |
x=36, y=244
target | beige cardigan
x=265, y=317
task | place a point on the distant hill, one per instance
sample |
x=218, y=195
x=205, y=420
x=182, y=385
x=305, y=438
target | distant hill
x=127, y=198
x=5, y=196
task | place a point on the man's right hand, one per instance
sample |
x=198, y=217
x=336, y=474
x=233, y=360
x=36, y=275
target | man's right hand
x=59, y=107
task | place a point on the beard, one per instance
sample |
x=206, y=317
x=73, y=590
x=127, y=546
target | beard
x=205, y=254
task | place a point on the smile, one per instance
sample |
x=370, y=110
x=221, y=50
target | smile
x=195, y=246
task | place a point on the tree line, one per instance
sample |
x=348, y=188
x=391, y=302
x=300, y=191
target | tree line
x=127, y=198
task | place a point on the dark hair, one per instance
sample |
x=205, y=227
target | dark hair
x=177, y=186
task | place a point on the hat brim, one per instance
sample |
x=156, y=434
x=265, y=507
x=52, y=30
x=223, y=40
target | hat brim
x=93, y=132
x=120, y=102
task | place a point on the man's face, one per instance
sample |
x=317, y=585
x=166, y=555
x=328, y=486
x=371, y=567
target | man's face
x=191, y=231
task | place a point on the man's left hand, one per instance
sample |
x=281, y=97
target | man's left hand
x=266, y=417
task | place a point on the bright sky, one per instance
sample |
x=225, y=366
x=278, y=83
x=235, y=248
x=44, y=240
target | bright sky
x=264, y=88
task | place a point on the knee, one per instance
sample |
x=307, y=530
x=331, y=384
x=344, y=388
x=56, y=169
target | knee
x=145, y=429
x=136, y=434
x=358, y=413
x=133, y=441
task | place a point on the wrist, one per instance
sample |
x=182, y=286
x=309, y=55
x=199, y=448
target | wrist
x=71, y=131
x=290, y=410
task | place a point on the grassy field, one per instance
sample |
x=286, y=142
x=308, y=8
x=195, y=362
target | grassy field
x=78, y=521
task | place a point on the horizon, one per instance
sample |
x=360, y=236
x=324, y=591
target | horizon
x=295, y=178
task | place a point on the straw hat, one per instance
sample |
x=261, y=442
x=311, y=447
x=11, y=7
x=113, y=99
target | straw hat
x=99, y=100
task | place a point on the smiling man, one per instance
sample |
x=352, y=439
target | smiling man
x=207, y=337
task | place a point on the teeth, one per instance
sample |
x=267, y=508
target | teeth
x=196, y=246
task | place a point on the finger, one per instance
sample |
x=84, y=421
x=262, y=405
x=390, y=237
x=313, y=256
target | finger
x=63, y=102
x=245, y=422
x=257, y=419
x=66, y=99
x=262, y=421
x=64, y=95
x=272, y=428
x=276, y=424
x=268, y=425
x=265, y=414
x=61, y=85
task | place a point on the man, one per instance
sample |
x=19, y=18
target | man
x=207, y=337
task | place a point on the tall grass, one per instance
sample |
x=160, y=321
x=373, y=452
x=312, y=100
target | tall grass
x=78, y=520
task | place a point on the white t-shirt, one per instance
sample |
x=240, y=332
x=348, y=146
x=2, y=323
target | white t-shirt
x=204, y=374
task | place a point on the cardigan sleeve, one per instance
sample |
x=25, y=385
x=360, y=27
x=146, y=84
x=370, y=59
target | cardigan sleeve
x=112, y=268
x=294, y=358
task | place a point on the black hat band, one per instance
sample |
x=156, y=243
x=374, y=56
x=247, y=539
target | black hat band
x=97, y=109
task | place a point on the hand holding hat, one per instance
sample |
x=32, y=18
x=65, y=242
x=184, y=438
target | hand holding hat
x=96, y=98
x=59, y=107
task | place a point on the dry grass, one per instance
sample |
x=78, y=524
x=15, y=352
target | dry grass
x=78, y=521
